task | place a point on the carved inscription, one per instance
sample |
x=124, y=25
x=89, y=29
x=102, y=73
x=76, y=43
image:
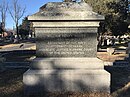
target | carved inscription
x=63, y=48
x=67, y=44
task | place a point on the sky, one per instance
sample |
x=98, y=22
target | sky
x=32, y=6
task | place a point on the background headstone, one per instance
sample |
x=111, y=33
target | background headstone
x=110, y=51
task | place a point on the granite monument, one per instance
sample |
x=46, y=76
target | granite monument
x=66, y=42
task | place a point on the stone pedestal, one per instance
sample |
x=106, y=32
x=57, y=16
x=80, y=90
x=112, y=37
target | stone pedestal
x=66, y=41
x=67, y=74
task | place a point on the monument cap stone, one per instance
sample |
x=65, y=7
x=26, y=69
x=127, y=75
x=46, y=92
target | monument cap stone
x=66, y=11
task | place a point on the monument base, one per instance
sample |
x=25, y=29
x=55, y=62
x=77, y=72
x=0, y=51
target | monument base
x=55, y=77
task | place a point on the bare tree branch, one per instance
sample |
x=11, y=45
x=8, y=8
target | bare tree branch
x=3, y=11
x=24, y=10
x=11, y=14
x=16, y=13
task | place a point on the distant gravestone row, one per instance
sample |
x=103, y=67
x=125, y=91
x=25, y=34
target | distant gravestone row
x=128, y=52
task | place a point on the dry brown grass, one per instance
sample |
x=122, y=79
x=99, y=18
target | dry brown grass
x=120, y=83
x=9, y=45
x=11, y=83
x=111, y=58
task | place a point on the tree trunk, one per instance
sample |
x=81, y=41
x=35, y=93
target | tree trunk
x=3, y=30
x=17, y=32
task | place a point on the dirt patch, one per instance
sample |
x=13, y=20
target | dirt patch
x=9, y=45
x=111, y=58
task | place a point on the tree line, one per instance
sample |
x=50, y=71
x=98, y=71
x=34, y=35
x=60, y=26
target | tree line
x=15, y=10
x=116, y=15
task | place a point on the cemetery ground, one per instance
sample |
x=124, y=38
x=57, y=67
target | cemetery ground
x=11, y=84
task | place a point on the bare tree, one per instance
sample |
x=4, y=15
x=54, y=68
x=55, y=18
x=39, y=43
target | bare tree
x=16, y=13
x=3, y=11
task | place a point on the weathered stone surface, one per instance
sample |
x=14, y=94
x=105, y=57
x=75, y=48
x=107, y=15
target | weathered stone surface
x=63, y=6
x=68, y=24
x=66, y=11
x=67, y=80
x=66, y=39
x=67, y=63
x=66, y=42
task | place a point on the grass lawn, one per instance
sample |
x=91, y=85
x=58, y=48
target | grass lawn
x=11, y=85
x=120, y=82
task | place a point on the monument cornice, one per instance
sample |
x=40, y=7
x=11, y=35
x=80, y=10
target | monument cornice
x=66, y=11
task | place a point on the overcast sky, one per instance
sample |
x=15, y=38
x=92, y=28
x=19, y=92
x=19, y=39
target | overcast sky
x=32, y=6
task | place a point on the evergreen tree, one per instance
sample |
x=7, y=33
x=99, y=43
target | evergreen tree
x=24, y=28
x=115, y=12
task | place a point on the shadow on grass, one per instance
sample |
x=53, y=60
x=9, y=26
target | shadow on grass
x=120, y=81
x=17, y=55
x=73, y=94
x=11, y=83
x=32, y=40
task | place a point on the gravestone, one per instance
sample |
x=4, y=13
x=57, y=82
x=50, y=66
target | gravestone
x=128, y=49
x=110, y=51
x=128, y=52
x=66, y=47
